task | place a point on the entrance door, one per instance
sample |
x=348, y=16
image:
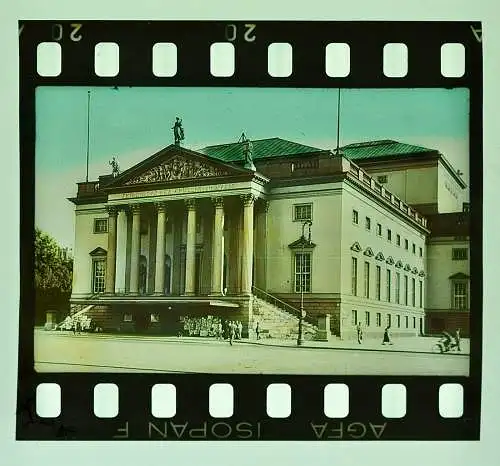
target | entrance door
x=168, y=274
x=197, y=273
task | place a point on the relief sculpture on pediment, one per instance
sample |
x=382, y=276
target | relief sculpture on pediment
x=177, y=169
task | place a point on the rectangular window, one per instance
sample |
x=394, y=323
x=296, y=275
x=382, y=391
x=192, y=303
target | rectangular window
x=398, y=321
x=155, y=318
x=398, y=240
x=355, y=217
x=127, y=318
x=303, y=272
x=382, y=179
x=354, y=317
x=388, y=320
x=389, y=285
x=368, y=223
x=377, y=283
x=302, y=212
x=98, y=275
x=367, y=280
x=389, y=235
x=414, y=322
x=354, y=277
x=460, y=295
x=420, y=252
x=421, y=293
x=406, y=321
x=406, y=244
x=379, y=319
x=406, y=291
x=398, y=287
x=367, y=318
x=459, y=254
x=379, y=229
x=414, y=248
x=100, y=225
x=413, y=292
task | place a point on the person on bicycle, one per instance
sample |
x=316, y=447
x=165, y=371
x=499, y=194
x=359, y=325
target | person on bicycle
x=447, y=340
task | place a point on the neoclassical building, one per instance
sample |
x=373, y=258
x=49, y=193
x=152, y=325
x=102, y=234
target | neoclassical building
x=222, y=230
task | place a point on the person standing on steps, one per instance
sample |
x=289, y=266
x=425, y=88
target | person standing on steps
x=257, y=331
x=359, y=331
x=232, y=328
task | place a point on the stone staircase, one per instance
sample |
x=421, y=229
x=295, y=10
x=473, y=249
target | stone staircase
x=276, y=322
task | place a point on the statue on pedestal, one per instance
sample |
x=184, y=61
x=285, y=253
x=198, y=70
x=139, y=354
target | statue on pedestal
x=247, y=152
x=178, y=131
x=115, y=167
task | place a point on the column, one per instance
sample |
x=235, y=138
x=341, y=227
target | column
x=135, y=249
x=160, y=249
x=121, y=251
x=247, y=256
x=217, y=244
x=111, y=256
x=190, y=247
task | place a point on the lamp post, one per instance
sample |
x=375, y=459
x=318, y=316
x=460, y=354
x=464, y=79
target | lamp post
x=300, y=338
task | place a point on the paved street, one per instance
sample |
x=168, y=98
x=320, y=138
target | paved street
x=65, y=352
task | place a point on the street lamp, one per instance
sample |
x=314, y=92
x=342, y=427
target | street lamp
x=300, y=338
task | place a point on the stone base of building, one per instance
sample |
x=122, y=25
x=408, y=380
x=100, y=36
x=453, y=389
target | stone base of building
x=438, y=321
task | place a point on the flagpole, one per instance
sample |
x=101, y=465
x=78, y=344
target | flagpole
x=88, y=135
x=338, y=124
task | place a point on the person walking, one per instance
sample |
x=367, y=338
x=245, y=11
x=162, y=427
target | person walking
x=240, y=330
x=257, y=331
x=231, y=332
x=457, y=339
x=359, y=331
x=387, y=336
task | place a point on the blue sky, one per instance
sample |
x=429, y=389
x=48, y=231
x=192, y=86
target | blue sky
x=132, y=123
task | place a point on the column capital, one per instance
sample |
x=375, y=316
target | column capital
x=112, y=210
x=135, y=209
x=248, y=199
x=190, y=204
x=161, y=206
x=218, y=202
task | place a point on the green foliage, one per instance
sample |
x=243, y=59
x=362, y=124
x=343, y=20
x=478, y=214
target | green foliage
x=52, y=270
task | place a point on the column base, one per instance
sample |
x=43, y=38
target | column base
x=190, y=293
x=217, y=294
x=159, y=293
x=323, y=335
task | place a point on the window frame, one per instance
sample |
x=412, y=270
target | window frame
x=378, y=319
x=464, y=296
x=295, y=209
x=388, y=285
x=355, y=217
x=366, y=283
x=378, y=282
x=95, y=261
x=398, y=239
x=413, y=294
x=96, y=221
x=455, y=256
x=306, y=284
x=389, y=235
x=407, y=244
x=379, y=229
x=421, y=293
x=354, y=317
x=367, y=318
x=398, y=288
x=368, y=223
x=354, y=276
x=405, y=280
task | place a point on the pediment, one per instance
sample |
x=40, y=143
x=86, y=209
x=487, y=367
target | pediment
x=175, y=163
x=356, y=247
x=407, y=268
x=390, y=260
x=421, y=273
x=414, y=271
x=379, y=257
x=98, y=252
x=368, y=252
x=399, y=264
x=302, y=243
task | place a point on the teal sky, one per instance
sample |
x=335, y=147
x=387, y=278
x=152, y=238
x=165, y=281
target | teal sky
x=132, y=123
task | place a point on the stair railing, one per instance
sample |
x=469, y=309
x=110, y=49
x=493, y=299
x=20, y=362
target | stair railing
x=268, y=297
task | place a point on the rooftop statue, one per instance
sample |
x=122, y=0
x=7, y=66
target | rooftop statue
x=178, y=131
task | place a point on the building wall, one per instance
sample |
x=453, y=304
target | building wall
x=353, y=200
x=85, y=242
x=325, y=233
x=440, y=267
x=412, y=184
x=450, y=195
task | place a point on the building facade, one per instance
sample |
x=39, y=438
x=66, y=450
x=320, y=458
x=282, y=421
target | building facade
x=206, y=232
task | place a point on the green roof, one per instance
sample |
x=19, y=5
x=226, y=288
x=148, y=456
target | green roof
x=262, y=149
x=382, y=148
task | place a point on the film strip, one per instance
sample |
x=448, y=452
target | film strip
x=260, y=406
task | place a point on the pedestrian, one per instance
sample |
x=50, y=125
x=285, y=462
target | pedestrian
x=387, y=336
x=73, y=327
x=257, y=331
x=77, y=325
x=360, y=332
x=231, y=332
x=219, y=331
x=457, y=339
x=240, y=330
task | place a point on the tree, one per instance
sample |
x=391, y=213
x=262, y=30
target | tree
x=53, y=269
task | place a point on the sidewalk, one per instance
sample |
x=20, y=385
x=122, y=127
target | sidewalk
x=404, y=344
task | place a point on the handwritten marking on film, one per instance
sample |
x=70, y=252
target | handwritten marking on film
x=232, y=32
x=478, y=34
x=58, y=32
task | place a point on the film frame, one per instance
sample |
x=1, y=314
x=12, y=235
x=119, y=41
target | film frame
x=250, y=421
